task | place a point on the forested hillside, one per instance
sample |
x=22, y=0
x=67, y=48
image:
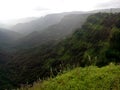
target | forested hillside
x=95, y=43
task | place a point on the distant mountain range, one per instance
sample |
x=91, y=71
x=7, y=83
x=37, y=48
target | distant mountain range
x=95, y=43
x=49, y=28
x=55, y=32
x=48, y=45
x=40, y=23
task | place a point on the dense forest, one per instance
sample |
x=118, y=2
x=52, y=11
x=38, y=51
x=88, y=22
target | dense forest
x=95, y=43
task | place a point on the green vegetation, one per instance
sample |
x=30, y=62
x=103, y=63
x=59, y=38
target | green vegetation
x=95, y=43
x=88, y=78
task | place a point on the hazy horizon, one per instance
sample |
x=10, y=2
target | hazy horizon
x=13, y=10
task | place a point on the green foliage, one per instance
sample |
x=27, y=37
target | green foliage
x=88, y=78
x=95, y=43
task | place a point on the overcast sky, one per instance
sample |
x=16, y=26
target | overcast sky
x=16, y=9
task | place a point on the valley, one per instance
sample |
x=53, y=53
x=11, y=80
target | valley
x=47, y=46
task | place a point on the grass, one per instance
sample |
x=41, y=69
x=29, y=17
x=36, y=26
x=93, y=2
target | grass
x=88, y=78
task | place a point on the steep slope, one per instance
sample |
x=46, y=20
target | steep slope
x=55, y=32
x=95, y=43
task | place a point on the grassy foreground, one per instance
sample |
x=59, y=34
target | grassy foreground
x=88, y=78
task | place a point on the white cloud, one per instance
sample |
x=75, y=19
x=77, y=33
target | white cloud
x=110, y=4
